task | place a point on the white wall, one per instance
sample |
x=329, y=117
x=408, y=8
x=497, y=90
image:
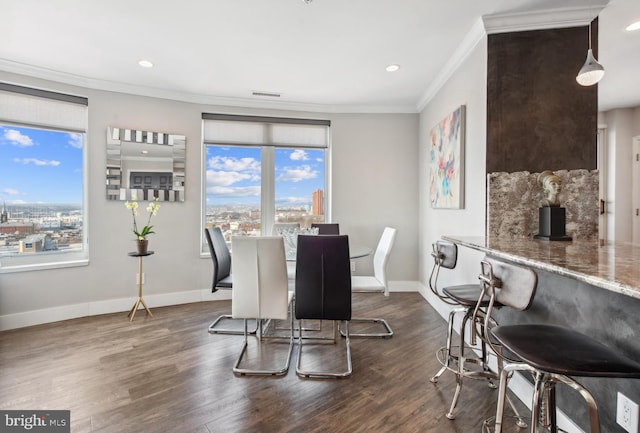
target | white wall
x=467, y=87
x=381, y=189
x=364, y=202
x=622, y=125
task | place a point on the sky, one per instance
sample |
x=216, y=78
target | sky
x=234, y=174
x=40, y=166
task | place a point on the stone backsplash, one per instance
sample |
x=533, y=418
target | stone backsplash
x=513, y=200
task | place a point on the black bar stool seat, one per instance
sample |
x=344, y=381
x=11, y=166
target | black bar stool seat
x=560, y=350
x=468, y=295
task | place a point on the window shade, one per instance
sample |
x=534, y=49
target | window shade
x=42, y=108
x=265, y=131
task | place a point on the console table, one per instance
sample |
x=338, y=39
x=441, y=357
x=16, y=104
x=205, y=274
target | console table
x=136, y=305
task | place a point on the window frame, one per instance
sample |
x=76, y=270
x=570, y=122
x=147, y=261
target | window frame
x=51, y=259
x=268, y=167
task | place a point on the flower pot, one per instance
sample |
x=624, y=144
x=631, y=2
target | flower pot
x=143, y=244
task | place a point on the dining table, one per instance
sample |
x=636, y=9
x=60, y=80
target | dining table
x=356, y=251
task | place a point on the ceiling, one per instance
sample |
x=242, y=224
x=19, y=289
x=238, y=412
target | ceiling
x=324, y=55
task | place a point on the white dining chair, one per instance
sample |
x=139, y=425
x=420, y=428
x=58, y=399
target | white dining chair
x=376, y=283
x=261, y=290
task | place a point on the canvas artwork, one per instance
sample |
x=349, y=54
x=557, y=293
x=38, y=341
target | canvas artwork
x=446, y=179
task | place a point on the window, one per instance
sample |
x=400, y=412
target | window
x=260, y=171
x=42, y=138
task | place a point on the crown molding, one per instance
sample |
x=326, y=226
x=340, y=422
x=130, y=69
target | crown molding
x=540, y=20
x=504, y=23
x=153, y=92
x=466, y=47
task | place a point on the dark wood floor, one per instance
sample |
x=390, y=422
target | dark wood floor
x=168, y=374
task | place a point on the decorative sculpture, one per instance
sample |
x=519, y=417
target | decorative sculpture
x=552, y=185
x=552, y=217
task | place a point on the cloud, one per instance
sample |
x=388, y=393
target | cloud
x=38, y=162
x=10, y=191
x=296, y=174
x=224, y=163
x=75, y=140
x=17, y=138
x=240, y=191
x=225, y=178
x=299, y=155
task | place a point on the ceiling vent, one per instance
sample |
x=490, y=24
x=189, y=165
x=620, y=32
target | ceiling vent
x=269, y=94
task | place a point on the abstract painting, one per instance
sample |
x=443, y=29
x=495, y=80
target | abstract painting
x=446, y=179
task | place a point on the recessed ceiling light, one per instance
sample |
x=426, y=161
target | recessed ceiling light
x=392, y=68
x=633, y=26
x=145, y=64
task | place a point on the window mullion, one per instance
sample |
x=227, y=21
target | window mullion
x=267, y=195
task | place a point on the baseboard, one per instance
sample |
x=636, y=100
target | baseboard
x=404, y=286
x=94, y=308
x=107, y=306
x=518, y=384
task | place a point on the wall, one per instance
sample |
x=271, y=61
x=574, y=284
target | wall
x=538, y=117
x=374, y=184
x=467, y=86
x=364, y=202
x=621, y=126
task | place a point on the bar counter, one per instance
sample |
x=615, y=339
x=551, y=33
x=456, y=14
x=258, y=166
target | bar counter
x=613, y=266
x=592, y=288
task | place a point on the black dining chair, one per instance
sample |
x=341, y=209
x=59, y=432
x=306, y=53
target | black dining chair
x=222, y=278
x=323, y=292
x=327, y=228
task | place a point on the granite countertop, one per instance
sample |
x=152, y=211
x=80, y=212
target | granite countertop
x=613, y=266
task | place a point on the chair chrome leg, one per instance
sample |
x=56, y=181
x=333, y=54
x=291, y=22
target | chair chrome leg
x=326, y=374
x=387, y=334
x=214, y=330
x=265, y=372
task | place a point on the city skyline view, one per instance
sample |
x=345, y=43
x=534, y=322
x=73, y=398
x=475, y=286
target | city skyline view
x=40, y=166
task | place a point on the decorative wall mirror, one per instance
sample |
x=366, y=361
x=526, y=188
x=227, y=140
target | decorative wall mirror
x=143, y=165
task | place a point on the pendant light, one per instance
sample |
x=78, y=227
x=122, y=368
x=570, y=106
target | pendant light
x=592, y=71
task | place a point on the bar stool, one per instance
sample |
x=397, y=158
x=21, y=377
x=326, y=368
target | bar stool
x=465, y=299
x=550, y=353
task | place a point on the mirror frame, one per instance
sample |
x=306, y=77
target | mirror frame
x=114, y=181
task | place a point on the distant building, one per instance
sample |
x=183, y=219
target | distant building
x=36, y=243
x=317, y=202
x=4, y=216
x=20, y=228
